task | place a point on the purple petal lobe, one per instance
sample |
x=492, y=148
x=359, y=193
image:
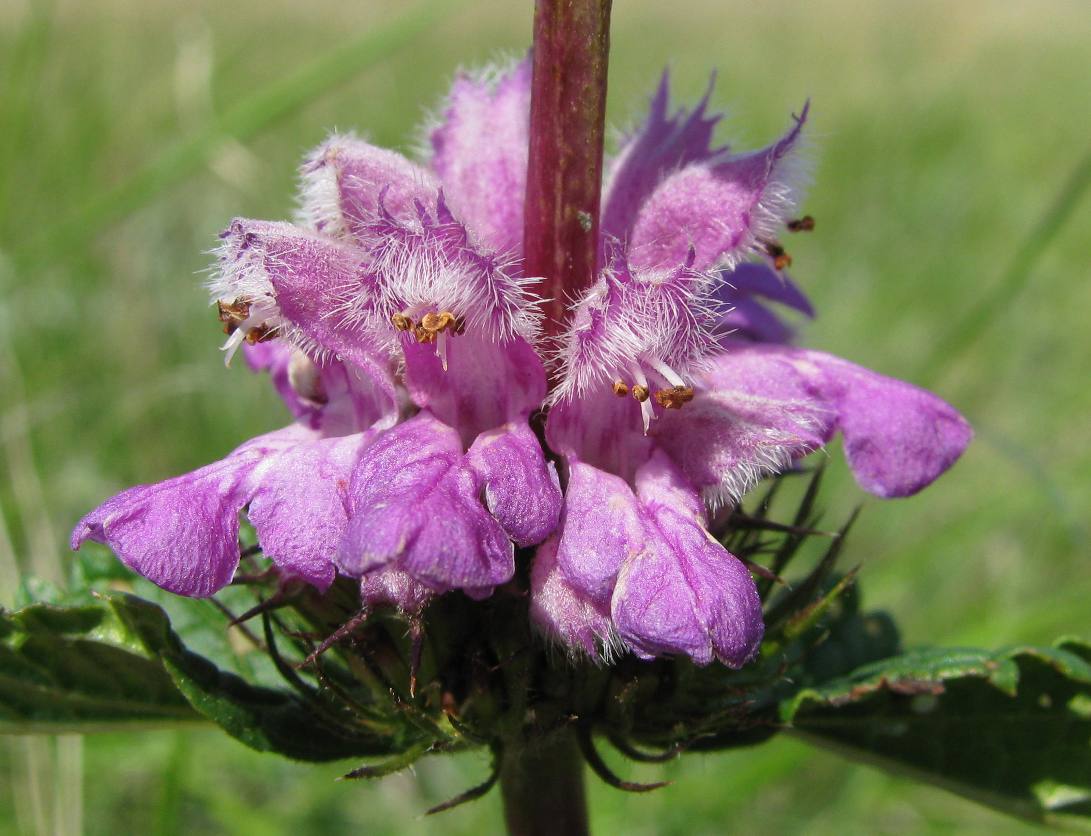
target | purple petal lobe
x=601, y=430
x=898, y=438
x=293, y=284
x=684, y=593
x=480, y=154
x=753, y=279
x=298, y=508
x=346, y=181
x=183, y=534
x=759, y=407
x=414, y=504
x=562, y=612
x=719, y=208
x=754, y=413
x=600, y=528
x=661, y=146
x=485, y=385
x=521, y=489
x=748, y=319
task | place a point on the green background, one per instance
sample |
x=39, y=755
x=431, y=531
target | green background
x=942, y=135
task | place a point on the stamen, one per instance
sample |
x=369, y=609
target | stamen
x=423, y=335
x=674, y=397
x=775, y=250
x=441, y=349
x=640, y=392
x=262, y=333
x=804, y=224
x=247, y=320
x=232, y=314
x=402, y=322
x=431, y=321
x=621, y=388
x=433, y=324
x=670, y=375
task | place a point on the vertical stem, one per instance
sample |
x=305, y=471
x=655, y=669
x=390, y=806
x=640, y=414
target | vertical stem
x=567, y=122
x=541, y=782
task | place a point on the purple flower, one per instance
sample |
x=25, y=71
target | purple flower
x=397, y=324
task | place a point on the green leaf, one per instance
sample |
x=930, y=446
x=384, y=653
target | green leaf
x=1010, y=729
x=304, y=724
x=115, y=663
x=70, y=669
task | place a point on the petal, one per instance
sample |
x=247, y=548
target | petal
x=395, y=588
x=721, y=209
x=521, y=489
x=183, y=534
x=414, y=504
x=434, y=265
x=755, y=412
x=600, y=528
x=754, y=279
x=761, y=406
x=684, y=593
x=659, y=147
x=346, y=180
x=485, y=384
x=898, y=438
x=750, y=320
x=298, y=507
x=294, y=284
x=601, y=430
x=480, y=154
x=562, y=612
x=650, y=329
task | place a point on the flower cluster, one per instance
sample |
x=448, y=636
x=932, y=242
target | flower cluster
x=436, y=431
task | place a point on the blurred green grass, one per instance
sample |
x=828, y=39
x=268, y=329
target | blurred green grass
x=942, y=134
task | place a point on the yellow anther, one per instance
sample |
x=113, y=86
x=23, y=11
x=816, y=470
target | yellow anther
x=423, y=335
x=433, y=324
x=232, y=314
x=621, y=389
x=260, y=334
x=674, y=397
x=640, y=392
x=775, y=250
x=402, y=322
x=432, y=321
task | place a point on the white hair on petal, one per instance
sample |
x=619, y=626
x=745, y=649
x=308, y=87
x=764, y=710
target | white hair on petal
x=319, y=198
x=244, y=273
x=644, y=319
x=789, y=177
x=773, y=454
x=420, y=270
x=488, y=75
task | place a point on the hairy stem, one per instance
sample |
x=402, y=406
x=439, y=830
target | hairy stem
x=541, y=781
x=567, y=122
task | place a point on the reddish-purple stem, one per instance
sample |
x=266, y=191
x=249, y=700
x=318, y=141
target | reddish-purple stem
x=567, y=122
